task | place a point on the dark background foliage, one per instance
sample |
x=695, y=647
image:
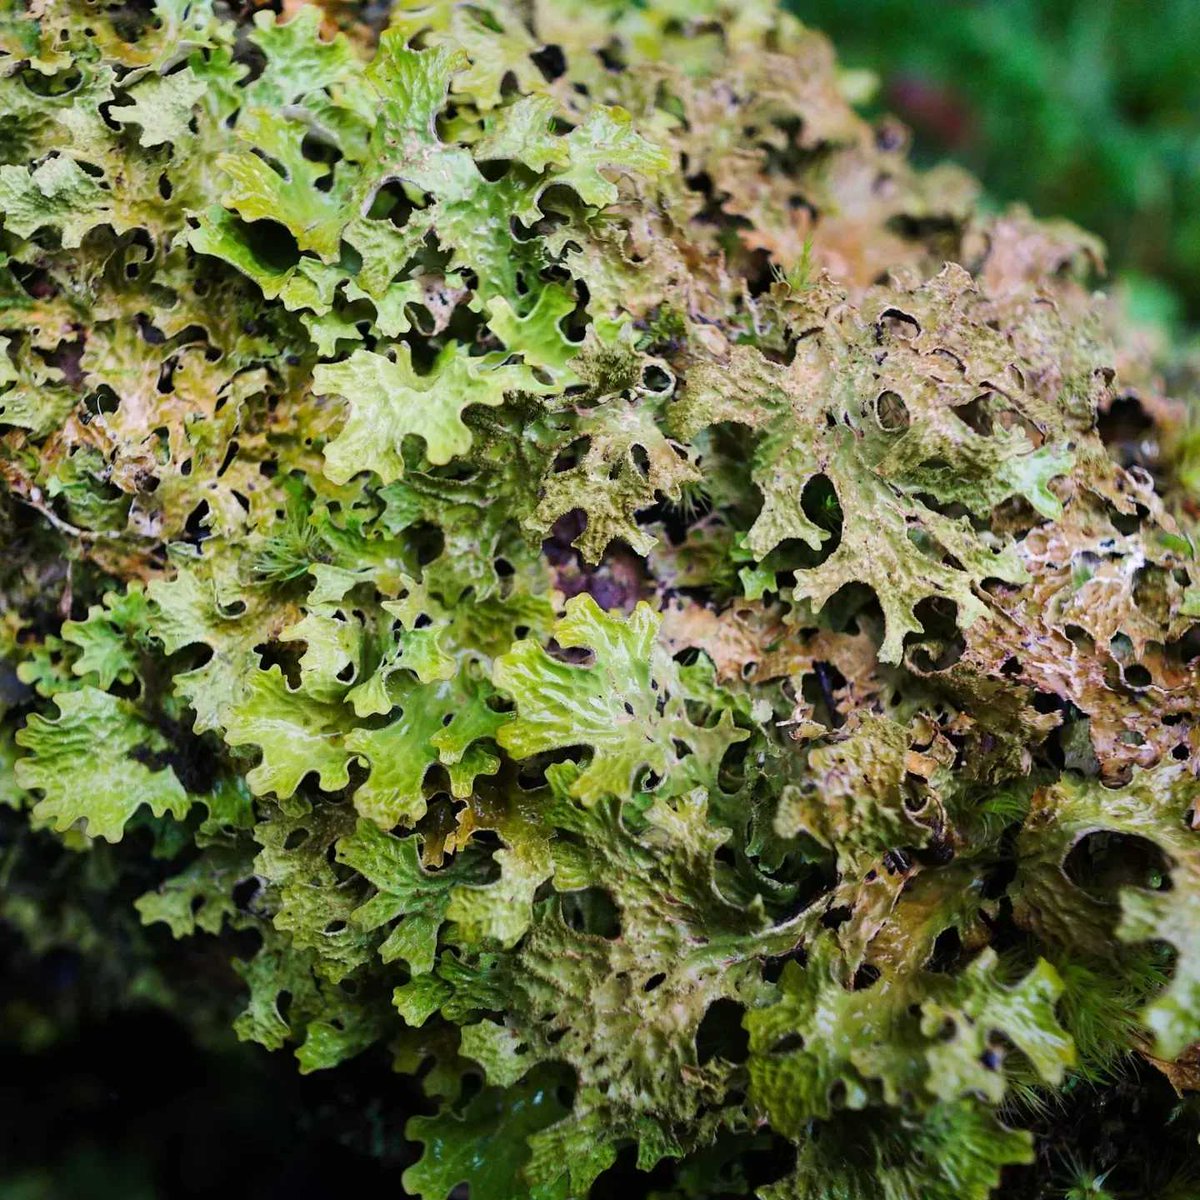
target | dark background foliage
x=1084, y=108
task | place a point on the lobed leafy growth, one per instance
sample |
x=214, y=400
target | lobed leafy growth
x=540, y=528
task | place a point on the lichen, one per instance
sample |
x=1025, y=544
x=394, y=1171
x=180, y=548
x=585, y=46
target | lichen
x=618, y=562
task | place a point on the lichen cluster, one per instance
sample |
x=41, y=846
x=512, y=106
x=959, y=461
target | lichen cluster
x=548, y=541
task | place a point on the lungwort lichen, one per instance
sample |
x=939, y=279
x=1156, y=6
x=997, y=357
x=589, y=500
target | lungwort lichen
x=544, y=535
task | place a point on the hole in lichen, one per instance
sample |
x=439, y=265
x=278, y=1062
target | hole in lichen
x=976, y=415
x=195, y=528
x=246, y=891
x=284, y=655
x=820, y=689
x=720, y=1033
x=656, y=379
x=551, y=61
x=947, y=951
x=836, y=917
x=864, y=977
x=592, y=911
x=1137, y=676
x=892, y=321
x=891, y=413
x=427, y=539
x=270, y=243
x=1103, y=862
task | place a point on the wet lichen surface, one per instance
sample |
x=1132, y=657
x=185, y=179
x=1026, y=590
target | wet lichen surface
x=534, y=533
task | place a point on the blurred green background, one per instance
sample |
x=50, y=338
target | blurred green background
x=1088, y=109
